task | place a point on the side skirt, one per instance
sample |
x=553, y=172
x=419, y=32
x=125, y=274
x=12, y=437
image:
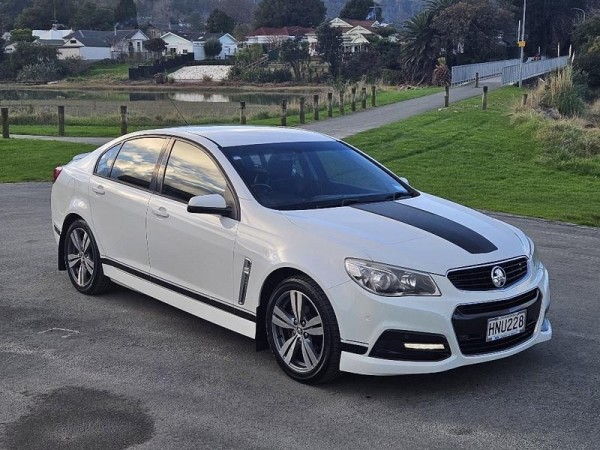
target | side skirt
x=197, y=308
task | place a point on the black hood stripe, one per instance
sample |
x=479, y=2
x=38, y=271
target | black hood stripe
x=447, y=229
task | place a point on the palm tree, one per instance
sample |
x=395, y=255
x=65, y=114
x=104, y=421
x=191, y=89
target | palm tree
x=420, y=53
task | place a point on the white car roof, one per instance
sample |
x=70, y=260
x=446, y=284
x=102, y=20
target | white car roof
x=230, y=136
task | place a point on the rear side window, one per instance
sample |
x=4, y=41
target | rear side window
x=106, y=161
x=137, y=160
x=190, y=172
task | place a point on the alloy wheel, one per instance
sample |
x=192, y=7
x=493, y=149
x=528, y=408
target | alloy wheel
x=80, y=259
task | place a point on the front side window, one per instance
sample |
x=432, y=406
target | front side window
x=137, y=160
x=191, y=172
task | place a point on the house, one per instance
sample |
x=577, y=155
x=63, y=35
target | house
x=355, y=33
x=273, y=37
x=229, y=45
x=180, y=43
x=93, y=45
x=53, y=34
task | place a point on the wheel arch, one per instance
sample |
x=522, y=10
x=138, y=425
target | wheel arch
x=72, y=217
x=269, y=285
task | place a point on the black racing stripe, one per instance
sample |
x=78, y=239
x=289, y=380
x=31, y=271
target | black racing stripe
x=180, y=290
x=447, y=229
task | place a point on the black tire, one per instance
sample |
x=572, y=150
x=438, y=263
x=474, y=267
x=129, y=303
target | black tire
x=306, y=339
x=82, y=260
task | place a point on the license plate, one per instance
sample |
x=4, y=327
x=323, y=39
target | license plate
x=504, y=326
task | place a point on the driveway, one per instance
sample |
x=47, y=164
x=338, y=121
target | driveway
x=125, y=371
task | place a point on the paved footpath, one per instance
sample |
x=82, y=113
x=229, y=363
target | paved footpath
x=344, y=126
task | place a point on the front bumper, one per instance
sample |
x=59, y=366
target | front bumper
x=364, y=317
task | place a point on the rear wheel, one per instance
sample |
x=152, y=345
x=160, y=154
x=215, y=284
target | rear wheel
x=303, y=331
x=82, y=260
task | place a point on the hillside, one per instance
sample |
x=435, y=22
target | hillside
x=190, y=11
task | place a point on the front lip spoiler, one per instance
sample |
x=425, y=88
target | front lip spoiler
x=57, y=230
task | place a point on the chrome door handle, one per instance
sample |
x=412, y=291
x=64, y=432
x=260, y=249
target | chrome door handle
x=160, y=212
x=98, y=189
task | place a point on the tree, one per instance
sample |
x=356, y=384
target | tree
x=239, y=10
x=329, y=46
x=586, y=38
x=419, y=49
x=358, y=9
x=195, y=21
x=281, y=13
x=471, y=28
x=155, y=45
x=126, y=14
x=40, y=15
x=21, y=35
x=212, y=48
x=219, y=22
x=294, y=52
x=91, y=17
x=9, y=10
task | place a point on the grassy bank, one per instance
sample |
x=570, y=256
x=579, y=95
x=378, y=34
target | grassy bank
x=483, y=160
x=30, y=160
x=101, y=119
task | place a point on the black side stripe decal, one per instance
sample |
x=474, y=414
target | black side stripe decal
x=447, y=229
x=180, y=290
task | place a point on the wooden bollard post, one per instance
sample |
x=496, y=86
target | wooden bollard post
x=61, y=120
x=283, y=113
x=353, y=102
x=341, y=105
x=373, y=101
x=330, y=104
x=243, y=113
x=123, y=120
x=302, y=115
x=484, y=98
x=476, y=79
x=363, y=98
x=525, y=99
x=5, y=133
x=316, y=106
x=447, y=96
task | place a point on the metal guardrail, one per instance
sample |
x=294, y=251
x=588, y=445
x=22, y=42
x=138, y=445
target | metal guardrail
x=467, y=73
x=511, y=74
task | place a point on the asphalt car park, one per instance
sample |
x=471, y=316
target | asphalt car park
x=123, y=370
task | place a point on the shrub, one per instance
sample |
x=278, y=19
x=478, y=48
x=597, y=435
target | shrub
x=562, y=93
x=41, y=72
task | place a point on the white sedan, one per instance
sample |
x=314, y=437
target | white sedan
x=303, y=243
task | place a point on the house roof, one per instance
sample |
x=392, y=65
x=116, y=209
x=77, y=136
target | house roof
x=52, y=34
x=107, y=37
x=284, y=31
x=187, y=35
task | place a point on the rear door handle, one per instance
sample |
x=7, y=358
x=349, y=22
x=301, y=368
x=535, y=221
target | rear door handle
x=98, y=189
x=160, y=212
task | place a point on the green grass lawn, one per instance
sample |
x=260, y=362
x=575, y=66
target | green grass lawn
x=108, y=72
x=480, y=159
x=477, y=158
x=29, y=160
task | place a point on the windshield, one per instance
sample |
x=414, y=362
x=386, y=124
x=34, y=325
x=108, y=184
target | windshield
x=308, y=175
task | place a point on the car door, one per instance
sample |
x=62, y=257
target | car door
x=119, y=195
x=193, y=251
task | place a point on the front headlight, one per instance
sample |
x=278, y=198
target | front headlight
x=390, y=281
x=534, y=256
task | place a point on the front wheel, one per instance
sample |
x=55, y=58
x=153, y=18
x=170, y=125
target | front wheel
x=303, y=332
x=82, y=260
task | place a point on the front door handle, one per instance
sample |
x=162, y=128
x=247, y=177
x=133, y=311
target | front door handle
x=160, y=212
x=98, y=189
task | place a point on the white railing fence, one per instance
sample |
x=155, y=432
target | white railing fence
x=511, y=74
x=467, y=73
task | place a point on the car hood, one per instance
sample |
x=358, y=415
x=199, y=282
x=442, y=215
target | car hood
x=424, y=233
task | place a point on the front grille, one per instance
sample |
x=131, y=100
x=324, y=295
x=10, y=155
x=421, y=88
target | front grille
x=480, y=278
x=390, y=345
x=470, y=323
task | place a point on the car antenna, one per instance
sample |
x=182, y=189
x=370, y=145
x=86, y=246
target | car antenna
x=177, y=109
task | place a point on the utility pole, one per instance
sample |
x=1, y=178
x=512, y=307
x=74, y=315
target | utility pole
x=522, y=44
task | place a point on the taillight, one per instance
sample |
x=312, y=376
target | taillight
x=56, y=173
